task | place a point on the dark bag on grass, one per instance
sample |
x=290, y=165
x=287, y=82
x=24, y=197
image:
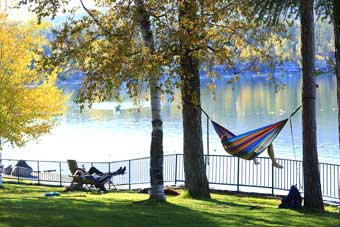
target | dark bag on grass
x=293, y=200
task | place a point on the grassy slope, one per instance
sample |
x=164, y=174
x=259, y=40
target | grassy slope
x=26, y=206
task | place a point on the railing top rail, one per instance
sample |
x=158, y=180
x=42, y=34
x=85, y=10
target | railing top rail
x=28, y=160
x=143, y=158
x=134, y=159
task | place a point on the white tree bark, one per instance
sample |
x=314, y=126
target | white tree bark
x=156, y=150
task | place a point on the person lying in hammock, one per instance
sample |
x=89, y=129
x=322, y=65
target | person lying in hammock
x=250, y=144
x=270, y=150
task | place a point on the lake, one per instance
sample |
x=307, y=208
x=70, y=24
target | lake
x=103, y=134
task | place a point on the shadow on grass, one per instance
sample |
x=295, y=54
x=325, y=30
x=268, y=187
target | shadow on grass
x=87, y=212
x=257, y=214
x=121, y=209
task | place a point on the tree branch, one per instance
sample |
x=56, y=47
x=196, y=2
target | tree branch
x=97, y=22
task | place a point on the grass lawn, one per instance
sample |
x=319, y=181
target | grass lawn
x=23, y=205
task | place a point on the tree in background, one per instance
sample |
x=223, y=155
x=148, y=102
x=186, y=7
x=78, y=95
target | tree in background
x=196, y=181
x=330, y=9
x=113, y=47
x=312, y=185
x=336, y=21
x=156, y=150
x=30, y=102
x=272, y=12
x=116, y=51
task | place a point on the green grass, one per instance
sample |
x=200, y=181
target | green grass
x=24, y=205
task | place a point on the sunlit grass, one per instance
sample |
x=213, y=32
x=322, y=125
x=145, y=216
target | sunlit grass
x=23, y=205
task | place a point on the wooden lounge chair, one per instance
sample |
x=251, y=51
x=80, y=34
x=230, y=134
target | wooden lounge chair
x=75, y=185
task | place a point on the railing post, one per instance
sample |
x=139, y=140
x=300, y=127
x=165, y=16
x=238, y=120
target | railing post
x=38, y=166
x=273, y=178
x=238, y=174
x=111, y=178
x=61, y=183
x=129, y=174
x=176, y=169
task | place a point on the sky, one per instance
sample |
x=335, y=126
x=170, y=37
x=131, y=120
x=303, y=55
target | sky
x=14, y=14
x=23, y=13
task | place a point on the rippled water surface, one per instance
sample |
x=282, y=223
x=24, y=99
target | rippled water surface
x=102, y=134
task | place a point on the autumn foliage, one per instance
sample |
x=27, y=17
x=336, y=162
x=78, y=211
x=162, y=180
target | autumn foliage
x=30, y=102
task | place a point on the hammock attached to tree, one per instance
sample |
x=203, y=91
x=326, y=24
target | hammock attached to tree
x=251, y=144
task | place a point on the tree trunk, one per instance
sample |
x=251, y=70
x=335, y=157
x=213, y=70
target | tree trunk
x=1, y=170
x=196, y=181
x=312, y=186
x=336, y=23
x=156, y=150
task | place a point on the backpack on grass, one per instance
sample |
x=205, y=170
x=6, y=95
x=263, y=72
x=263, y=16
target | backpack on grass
x=293, y=200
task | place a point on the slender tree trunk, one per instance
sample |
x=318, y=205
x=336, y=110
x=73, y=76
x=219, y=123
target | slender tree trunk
x=196, y=181
x=312, y=186
x=1, y=169
x=156, y=150
x=336, y=23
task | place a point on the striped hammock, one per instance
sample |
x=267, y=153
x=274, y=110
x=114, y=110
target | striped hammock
x=250, y=144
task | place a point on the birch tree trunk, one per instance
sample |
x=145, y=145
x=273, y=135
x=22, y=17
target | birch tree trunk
x=156, y=150
x=312, y=186
x=196, y=181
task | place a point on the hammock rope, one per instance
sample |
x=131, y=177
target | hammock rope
x=293, y=145
x=208, y=119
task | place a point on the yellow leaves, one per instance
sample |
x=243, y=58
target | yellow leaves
x=30, y=101
x=319, y=57
x=212, y=33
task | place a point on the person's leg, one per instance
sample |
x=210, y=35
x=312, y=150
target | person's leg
x=93, y=170
x=272, y=157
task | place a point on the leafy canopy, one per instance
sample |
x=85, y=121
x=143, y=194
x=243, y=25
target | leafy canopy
x=106, y=43
x=30, y=102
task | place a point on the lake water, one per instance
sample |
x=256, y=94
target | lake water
x=101, y=134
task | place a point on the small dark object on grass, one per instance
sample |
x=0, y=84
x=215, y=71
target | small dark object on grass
x=224, y=206
x=144, y=190
x=170, y=191
x=167, y=191
x=255, y=208
x=52, y=194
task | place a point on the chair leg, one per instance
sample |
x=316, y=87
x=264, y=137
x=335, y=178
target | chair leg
x=111, y=183
x=102, y=188
x=115, y=187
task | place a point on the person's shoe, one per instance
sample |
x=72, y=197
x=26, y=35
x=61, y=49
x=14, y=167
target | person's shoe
x=256, y=162
x=277, y=165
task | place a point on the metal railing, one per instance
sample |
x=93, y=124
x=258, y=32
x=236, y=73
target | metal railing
x=222, y=171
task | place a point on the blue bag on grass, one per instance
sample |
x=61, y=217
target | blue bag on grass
x=293, y=200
